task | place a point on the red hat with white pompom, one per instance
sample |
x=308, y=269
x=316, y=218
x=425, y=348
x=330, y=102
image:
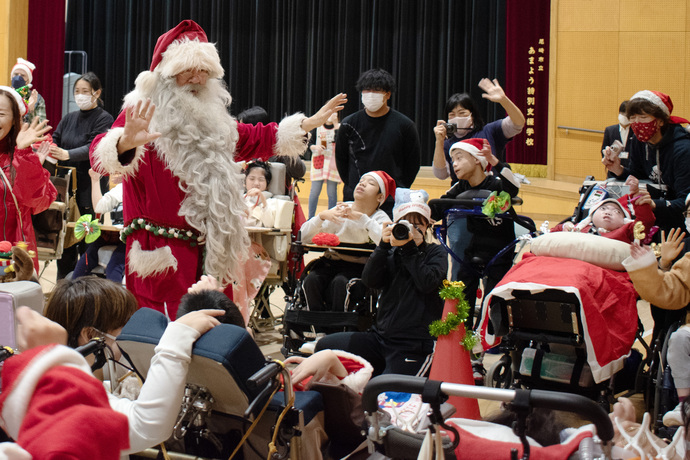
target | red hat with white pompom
x=661, y=100
x=386, y=182
x=27, y=67
x=473, y=147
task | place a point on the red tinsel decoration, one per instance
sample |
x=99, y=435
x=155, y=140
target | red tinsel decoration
x=326, y=239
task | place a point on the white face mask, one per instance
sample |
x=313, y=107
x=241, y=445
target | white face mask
x=687, y=223
x=623, y=120
x=464, y=124
x=84, y=101
x=372, y=101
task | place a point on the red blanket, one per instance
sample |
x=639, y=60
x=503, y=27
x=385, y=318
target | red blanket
x=608, y=305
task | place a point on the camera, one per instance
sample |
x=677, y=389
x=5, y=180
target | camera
x=450, y=128
x=401, y=230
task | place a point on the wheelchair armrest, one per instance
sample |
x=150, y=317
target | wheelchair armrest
x=58, y=206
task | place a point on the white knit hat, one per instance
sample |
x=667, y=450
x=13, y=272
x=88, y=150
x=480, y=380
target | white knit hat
x=588, y=220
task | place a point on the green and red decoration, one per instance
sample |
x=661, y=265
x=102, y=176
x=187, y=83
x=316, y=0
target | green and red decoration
x=496, y=203
x=87, y=228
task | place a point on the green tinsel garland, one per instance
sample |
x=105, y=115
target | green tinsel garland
x=454, y=290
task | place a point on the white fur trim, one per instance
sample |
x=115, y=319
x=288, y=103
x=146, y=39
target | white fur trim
x=106, y=158
x=653, y=98
x=22, y=390
x=291, y=139
x=188, y=54
x=17, y=98
x=631, y=264
x=12, y=451
x=356, y=380
x=378, y=179
x=150, y=263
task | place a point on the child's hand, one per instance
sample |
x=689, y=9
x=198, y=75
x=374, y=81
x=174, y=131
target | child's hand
x=34, y=330
x=336, y=214
x=206, y=283
x=95, y=177
x=637, y=251
x=643, y=197
x=671, y=247
x=318, y=366
x=486, y=153
x=634, y=185
x=201, y=320
x=568, y=226
x=258, y=194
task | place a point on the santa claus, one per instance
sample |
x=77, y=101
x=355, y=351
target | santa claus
x=176, y=146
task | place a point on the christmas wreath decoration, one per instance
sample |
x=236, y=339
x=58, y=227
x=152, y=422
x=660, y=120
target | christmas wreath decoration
x=496, y=203
x=455, y=290
x=87, y=227
x=325, y=239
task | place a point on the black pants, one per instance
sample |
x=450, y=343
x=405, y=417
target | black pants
x=325, y=286
x=387, y=356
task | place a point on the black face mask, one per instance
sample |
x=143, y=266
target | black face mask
x=18, y=81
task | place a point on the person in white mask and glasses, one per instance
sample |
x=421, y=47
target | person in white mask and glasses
x=377, y=138
x=465, y=122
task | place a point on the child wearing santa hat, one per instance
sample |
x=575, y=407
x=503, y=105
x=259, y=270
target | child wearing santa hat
x=22, y=75
x=409, y=271
x=356, y=222
x=482, y=238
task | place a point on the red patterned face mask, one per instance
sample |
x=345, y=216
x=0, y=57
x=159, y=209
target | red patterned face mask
x=644, y=131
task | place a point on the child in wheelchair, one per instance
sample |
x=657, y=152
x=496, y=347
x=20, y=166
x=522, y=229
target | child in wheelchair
x=356, y=222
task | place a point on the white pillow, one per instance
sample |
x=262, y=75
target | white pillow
x=587, y=247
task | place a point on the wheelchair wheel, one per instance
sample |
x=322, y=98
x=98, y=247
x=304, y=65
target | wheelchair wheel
x=500, y=375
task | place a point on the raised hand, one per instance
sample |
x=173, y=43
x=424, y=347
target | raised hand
x=634, y=184
x=137, y=121
x=43, y=151
x=30, y=134
x=488, y=154
x=201, y=320
x=637, y=251
x=492, y=90
x=671, y=247
x=336, y=104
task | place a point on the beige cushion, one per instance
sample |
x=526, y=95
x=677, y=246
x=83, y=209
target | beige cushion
x=595, y=249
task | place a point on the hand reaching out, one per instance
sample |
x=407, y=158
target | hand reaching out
x=335, y=104
x=318, y=366
x=488, y=154
x=634, y=184
x=206, y=283
x=32, y=133
x=492, y=90
x=671, y=247
x=43, y=151
x=637, y=251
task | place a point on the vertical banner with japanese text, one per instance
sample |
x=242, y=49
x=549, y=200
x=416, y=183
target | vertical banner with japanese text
x=527, y=81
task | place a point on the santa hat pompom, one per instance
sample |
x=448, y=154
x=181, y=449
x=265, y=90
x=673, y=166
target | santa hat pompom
x=407, y=201
x=473, y=147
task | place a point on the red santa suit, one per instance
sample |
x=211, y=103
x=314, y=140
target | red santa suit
x=166, y=253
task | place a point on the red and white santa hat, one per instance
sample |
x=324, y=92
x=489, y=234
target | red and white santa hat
x=407, y=201
x=588, y=220
x=26, y=66
x=472, y=146
x=185, y=47
x=661, y=100
x=386, y=182
x=17, y=98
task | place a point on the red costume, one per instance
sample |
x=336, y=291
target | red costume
x=167, y=251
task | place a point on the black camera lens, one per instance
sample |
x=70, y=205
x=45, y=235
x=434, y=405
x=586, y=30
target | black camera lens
x=400, y=231
x=450, y=128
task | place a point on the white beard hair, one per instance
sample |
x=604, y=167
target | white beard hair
x=197, y=144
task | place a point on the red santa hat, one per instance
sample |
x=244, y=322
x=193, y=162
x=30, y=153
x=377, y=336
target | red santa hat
x=660, y=100
x=53, y=407
x=588, y=220
x=17, y=97
x=27, y=67
x=472, y=146
x=185, y=47
x=386, y=182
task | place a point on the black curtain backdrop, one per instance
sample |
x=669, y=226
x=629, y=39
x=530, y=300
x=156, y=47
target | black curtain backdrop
x=293, y=55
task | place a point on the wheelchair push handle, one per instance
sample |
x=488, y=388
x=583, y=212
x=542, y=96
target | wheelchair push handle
x=263, y=376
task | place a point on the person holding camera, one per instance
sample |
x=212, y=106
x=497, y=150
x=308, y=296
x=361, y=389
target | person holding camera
x=465, y=122
x=409, y=271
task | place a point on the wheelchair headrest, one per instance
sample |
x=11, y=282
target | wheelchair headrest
x=222, y=359
x=277, y=185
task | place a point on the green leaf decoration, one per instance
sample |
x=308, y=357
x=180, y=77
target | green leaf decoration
x=496, y=203
x=85, y=227
x=452, y=290
x=470, y=340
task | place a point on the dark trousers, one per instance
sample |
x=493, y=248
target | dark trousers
x=116, y=266
x=325, y=286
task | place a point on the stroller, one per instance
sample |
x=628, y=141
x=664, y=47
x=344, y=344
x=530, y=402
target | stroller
x=301, y=325
x=465, y=442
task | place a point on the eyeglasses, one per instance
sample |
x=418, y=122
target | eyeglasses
x=105, y=334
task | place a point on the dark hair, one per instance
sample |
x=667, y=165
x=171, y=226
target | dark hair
x=643, y=106
x=542, y=424
x=89, y=301
x=253, y=115
x=376, y=80
x=95, y=83
x=16, y=123
x=259, y=164
x=214, y=300
x=465, y=101
x=622, y=107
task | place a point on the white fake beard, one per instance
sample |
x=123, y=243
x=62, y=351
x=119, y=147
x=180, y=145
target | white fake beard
x=197, y=144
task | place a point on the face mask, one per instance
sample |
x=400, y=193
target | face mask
x=623, y=120
x=372, y=101
x=464, y=124
x=645, y=131
x=18, y=81
x=687, y=223
x=84, y=101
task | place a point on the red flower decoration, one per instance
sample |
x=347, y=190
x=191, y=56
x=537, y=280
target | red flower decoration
x=5, y=246
x=326, y=239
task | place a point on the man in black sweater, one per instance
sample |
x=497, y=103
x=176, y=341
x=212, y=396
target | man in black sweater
x=377, y=138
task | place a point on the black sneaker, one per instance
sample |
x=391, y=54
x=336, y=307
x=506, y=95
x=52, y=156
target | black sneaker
x=478, y=373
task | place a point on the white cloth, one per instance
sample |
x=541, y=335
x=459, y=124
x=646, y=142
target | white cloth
x=110, y=200
x=348, y=231
x=152, y=416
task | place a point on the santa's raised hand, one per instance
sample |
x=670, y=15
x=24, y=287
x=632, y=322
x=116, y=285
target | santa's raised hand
x=137, y=120
x=336, y=104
